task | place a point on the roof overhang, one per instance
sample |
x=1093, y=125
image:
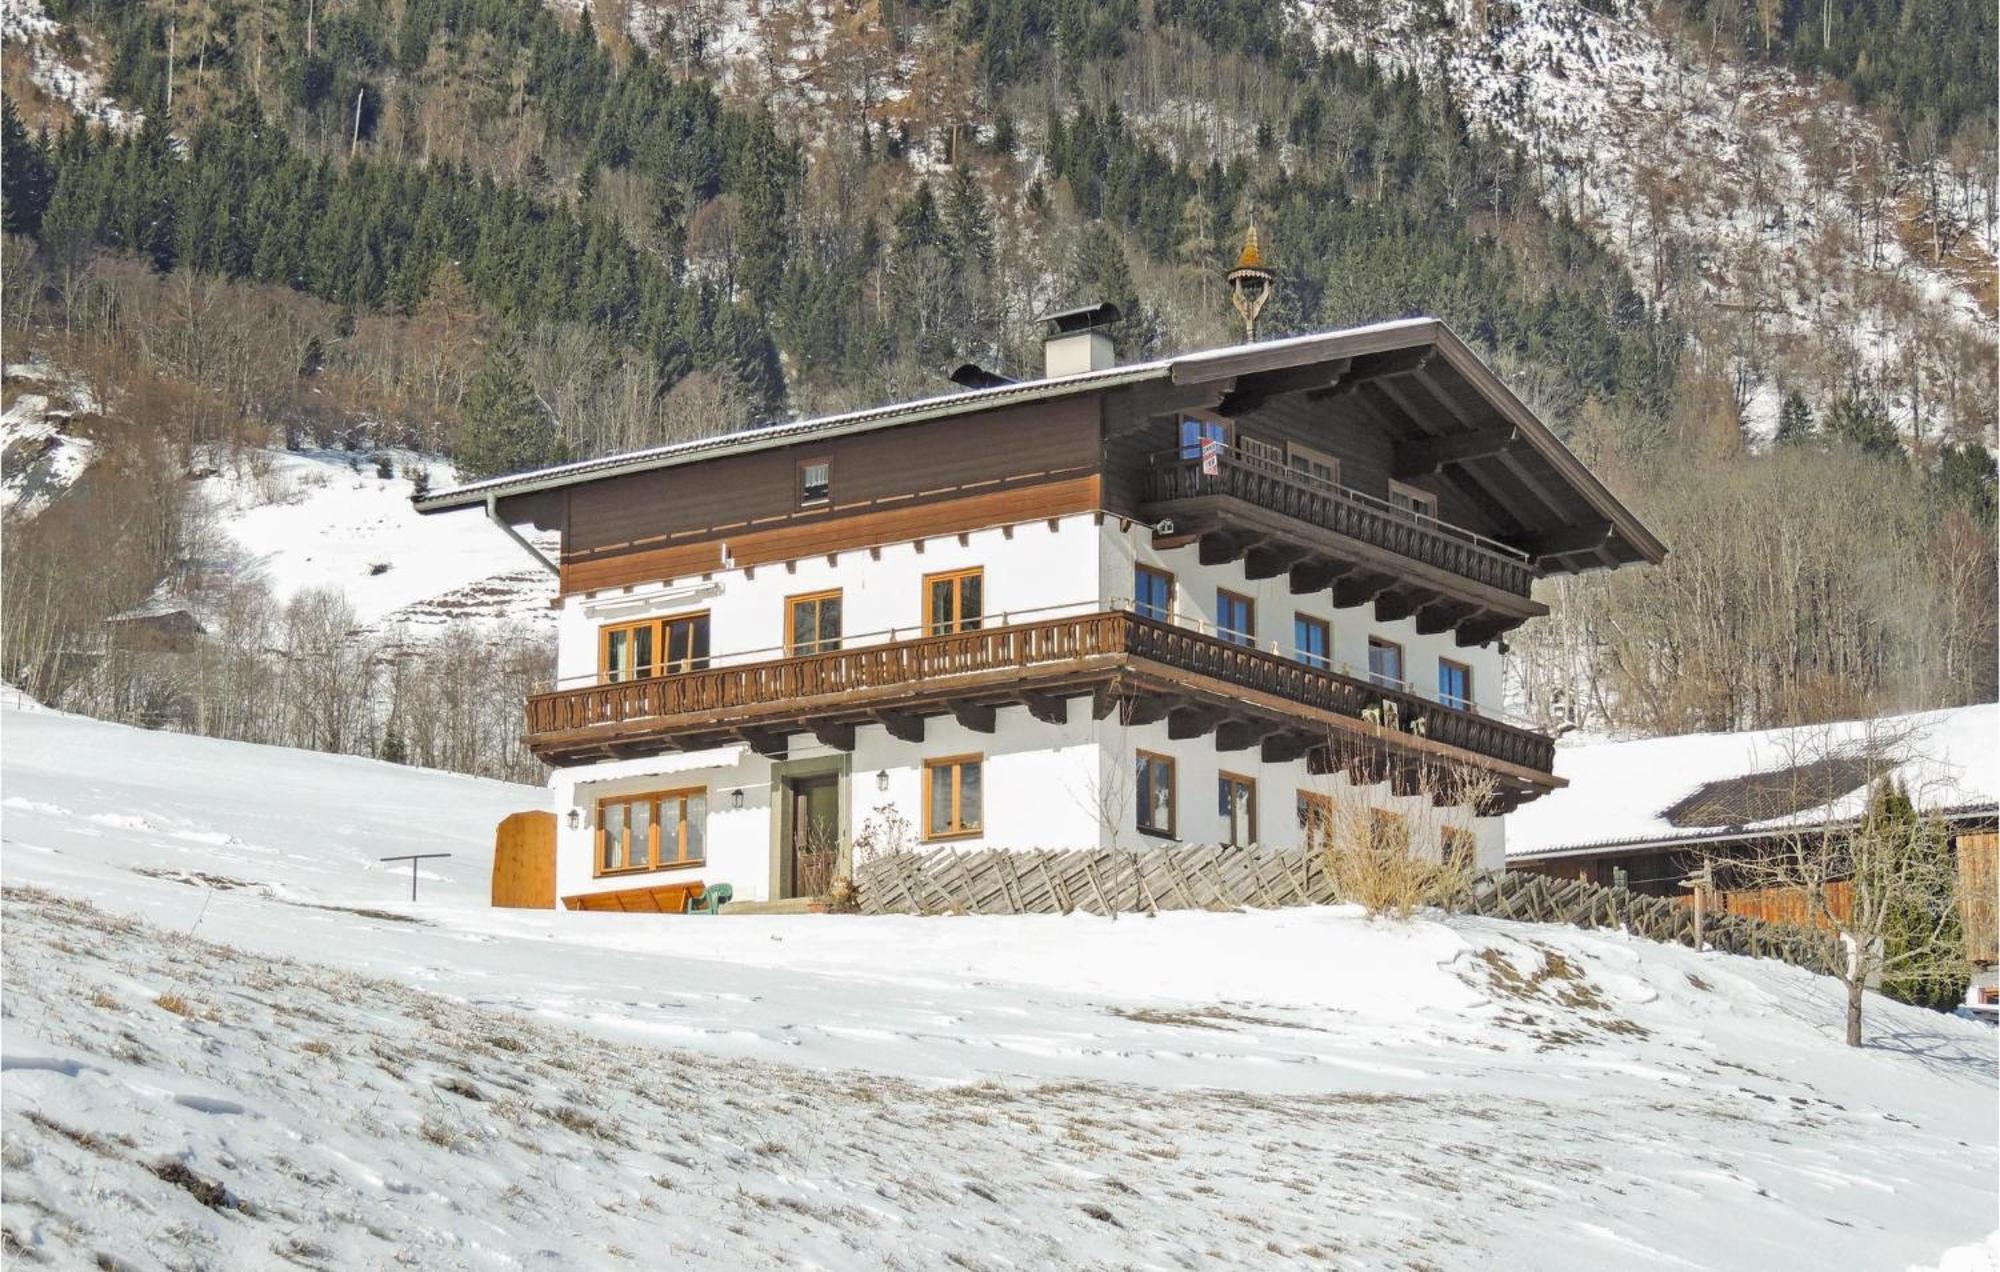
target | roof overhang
x=1962, y=814
x=1453, y=414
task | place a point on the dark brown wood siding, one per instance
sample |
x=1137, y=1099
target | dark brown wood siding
x=1022, y=462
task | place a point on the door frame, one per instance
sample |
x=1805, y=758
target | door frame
x=783, y=774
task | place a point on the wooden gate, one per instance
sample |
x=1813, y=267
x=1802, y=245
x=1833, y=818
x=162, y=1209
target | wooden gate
x=524, y=861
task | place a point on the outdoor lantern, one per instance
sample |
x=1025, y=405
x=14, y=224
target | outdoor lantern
x=575, y=819
x=736, y=798
x=882, y=780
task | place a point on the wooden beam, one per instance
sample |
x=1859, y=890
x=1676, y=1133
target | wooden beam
x=901, y=725
x=772, y=744
x=1568, y=539
x=1359, y=589
x=1390, y=365
x=1145, y=709
x=1284, y=747
x=1224, y=546
x=1424, y=457
x=1479, y=631
x=1442, y=615
x=974, y=716
x=1268, y=561
x=1317, y=574
x=1049, y=708
x=1400, y=603
x=836, y=735
x=1253, y=390
x=1241, y=735
x=1102, y=702
x=1190, y=722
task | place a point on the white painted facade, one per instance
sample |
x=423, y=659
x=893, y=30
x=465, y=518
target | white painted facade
x=1045, y=785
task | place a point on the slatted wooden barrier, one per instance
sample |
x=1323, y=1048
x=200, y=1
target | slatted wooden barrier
x=1216, y=878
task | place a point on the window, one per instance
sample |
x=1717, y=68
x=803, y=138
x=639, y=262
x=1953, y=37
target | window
x=1454, y=684
x=1410, y=499
x=815, y=482
x=1315, y=816
x=1388, y=831
x=1458, y=847
x=656, y=647
x=652, y=832
x=1317, y=465
x=1235, y=618
x=1153, y=593
x=952, y=602
x=1236, y=804
x=812, y=624
x=1385, y=662
x=953, y=797
x=1313, y=640
x=1194, y=432
x=1265, y=454
x=1156, y=794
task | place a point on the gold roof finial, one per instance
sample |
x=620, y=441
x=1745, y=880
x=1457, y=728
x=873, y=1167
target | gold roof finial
x=1251, y=283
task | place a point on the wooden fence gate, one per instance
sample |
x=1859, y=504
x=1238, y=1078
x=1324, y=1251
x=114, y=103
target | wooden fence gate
x=524, y=861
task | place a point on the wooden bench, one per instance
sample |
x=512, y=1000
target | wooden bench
x=672, y=898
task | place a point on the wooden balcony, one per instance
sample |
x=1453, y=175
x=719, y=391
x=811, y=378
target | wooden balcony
x=1114, y=661
x=1327, y=537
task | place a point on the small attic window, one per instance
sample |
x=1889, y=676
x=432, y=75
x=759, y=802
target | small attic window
x=815, y=482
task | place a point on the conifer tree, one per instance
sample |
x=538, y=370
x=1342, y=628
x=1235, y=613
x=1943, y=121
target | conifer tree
x=1795, y=421
x=506, y=429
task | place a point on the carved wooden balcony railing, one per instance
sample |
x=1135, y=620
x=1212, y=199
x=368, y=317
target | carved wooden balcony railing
x=1174, y=479
x=1113, y=655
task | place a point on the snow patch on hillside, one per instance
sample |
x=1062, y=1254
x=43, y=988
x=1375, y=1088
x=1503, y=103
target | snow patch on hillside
x=328, y=519
x=67, y=77
x=1740, y=175
x=41, y=453
x=284, y=1057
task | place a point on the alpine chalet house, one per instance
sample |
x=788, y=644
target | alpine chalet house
x=1193, y=599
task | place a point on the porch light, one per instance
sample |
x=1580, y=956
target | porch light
x=575, y=818
x=882, y=780
x=736, y=798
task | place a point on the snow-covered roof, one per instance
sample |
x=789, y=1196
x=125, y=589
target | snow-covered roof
x=1706, y=786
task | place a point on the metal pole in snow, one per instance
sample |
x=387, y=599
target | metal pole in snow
x=413, y=859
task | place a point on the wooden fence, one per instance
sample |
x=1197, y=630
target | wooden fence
x=1106, y=882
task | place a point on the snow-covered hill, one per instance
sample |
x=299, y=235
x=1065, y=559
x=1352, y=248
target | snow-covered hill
x=330, y=519
x=1730, y=190
x=42, y=451
x=256, y=1048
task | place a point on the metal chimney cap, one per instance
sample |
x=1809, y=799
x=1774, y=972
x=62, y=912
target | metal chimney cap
x=1082, y=318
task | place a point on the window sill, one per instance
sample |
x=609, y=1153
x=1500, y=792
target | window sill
x=974, y=833
x=1150, y=833
x=625, y=872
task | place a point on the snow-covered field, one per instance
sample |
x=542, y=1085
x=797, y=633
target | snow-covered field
x=326, y=519
x=231, y=1040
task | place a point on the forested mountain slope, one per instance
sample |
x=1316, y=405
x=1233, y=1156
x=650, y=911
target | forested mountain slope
x=1736, y=266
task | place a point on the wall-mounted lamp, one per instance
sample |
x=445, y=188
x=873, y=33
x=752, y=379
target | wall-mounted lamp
x=575, y=818
x=882, y=780
x=736, y=798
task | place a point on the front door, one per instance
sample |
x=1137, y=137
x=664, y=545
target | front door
x=815, y=830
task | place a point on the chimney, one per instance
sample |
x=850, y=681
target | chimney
x=1080, y=340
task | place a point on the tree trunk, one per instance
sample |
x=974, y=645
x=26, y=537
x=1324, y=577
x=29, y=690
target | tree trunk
x=1854, y=988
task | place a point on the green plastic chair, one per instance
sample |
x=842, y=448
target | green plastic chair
x=713, y=898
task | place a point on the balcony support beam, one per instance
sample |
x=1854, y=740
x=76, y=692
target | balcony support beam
x=901, y=725
x=1184, y=723
x=1359, y=589
x=1223, y=546
x=1144, y=709
x=974, y=716
x=772, y=744
x=1049, y=708
x=1422, y=458
x=1316, y=575
x=1269, y=560
x=838, y=736
x=1241, y=735
x=1287, y=745
x=1399, y=603
x=1442, y=615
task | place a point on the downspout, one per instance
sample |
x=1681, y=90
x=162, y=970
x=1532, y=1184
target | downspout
x=493, y=515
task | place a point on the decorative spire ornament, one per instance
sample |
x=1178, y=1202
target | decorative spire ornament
x=1251, y=283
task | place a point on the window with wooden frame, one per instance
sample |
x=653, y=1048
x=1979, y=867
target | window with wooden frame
x=1315, y=812
x=1258, y=451
x=1316, y=465
x=954, y=797
x=953, y=601
x=1156, y=794
x=1387, y=831
x=1236, y=805
x=1410, y=499
x=1153, y=593
x=659, y=830
x=1235, y=617
x=815, y=482
x=1457, y=847
x=1312, y=639
x=1195, y=431
x=652, y=647
x=812, y=623
x=1385, y=662
x=1454, y=684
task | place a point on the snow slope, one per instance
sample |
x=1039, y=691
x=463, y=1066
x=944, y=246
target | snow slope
x=256, y=1048
x=41, y=453
x=325, y=519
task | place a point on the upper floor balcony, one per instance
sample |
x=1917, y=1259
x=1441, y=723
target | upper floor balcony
x=1278, y=520
x=1147, y=671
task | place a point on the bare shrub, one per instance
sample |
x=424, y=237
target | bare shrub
x=1394, y=862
